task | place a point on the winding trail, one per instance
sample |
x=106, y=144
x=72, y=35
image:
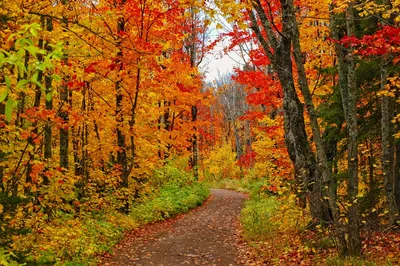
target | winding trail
x=205, y=236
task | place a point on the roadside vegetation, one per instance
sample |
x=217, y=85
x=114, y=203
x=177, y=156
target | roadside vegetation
x=79, y=238
x=279, y=232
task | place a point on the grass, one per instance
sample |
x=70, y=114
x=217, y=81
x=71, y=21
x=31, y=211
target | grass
x=172, y=200
x=255, y=218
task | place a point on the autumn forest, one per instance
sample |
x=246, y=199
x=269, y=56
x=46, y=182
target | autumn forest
x=108, y=124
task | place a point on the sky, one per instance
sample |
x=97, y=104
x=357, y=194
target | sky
x=217, y=62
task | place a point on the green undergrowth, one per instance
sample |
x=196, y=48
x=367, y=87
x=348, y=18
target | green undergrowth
x=80, y=239
x=255, y=217
x=171, y=200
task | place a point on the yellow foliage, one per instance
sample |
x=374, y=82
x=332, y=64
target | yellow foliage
x=290, y=217
x=70, y=238
x=272, y=160
x=371, y=8
x=221, y=163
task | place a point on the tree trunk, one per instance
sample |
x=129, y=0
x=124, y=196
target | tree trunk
x=387, y=106
x=352, y=186
x=2, y=154
x=295, y=135
x=397, y=174
x=329, y=212
x=64, y=132
x=396, y=171
x=192, y=52
x=195, y=147
x=49, y=105
x=121, y=153
x=348, y=91
x=63, y=114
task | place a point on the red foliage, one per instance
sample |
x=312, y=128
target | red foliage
x=258, y=57
x=91, y=68
x=263, y=89
x=237, y=37
x=382, y=42
x=252, y=115
x=247, y=160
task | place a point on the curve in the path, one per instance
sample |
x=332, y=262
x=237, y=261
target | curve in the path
x=206, y=236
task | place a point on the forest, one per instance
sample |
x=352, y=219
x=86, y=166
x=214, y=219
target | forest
x=107, y=123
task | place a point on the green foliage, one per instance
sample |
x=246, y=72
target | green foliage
x=170, y=174
x=171, y=200
x=24, y=46
x=255, y=217
x=6, y=258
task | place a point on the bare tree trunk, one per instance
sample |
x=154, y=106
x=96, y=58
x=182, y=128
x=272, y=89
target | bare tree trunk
x=48, y=154
x=132, y=121
x=191, y=50
x=325, y=186
x=396, y=171
x=121, y=153
x=349, y=101
x=295, y=136
x=2, y=154
x=63, y=114
x=387, y=106
x=397, y=174
x=64, y=132
x=195, y=147
x=348, y=91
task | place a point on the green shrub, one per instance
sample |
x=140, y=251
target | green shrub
x=171, y=174
x=6, y=258
x=172, y=199
x=255, y=217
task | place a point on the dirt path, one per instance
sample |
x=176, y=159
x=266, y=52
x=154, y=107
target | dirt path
x=205, y=236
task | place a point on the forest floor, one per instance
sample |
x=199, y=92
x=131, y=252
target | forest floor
x=207, y=235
